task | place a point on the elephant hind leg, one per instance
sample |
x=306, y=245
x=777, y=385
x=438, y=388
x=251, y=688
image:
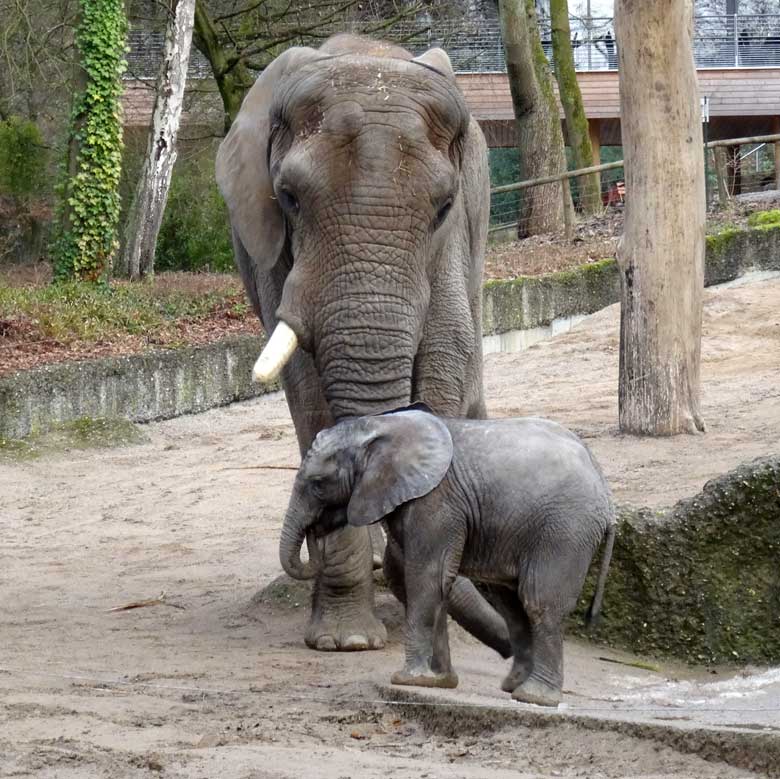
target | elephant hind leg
x=509, y=607
x=544, y=684
x=546, y=601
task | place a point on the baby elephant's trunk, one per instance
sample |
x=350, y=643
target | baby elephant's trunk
x=594, y=612
x=297, y=526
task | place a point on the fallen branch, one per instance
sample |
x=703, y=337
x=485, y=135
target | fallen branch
x=260, y=468
x=141, y=604
x=636, y=664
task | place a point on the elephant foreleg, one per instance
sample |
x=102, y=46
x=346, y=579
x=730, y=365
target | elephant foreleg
x=342, y=614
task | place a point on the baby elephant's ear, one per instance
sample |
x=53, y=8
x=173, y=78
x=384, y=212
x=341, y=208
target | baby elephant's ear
x=406, y=457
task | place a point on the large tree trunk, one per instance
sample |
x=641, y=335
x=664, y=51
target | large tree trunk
x=661, y=254
x=151, y=194
x=537, y=119
x=577, y=131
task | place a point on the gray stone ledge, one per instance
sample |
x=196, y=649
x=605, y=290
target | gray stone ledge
x=143, y=387
x=535, y=301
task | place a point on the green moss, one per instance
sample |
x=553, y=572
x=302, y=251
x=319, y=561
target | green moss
x=700, y=582
x=764, y=218
x=723, y=240
x=84, y=433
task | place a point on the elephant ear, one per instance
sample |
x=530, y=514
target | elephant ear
x=438, y=60
x=242, y=168
x=405, y=456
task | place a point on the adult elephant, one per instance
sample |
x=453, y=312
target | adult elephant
x=358, y=192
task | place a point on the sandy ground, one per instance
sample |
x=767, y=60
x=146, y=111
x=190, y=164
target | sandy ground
x=215, y=681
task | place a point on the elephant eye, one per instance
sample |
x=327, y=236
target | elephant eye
x=287, y=201
x=441, y=214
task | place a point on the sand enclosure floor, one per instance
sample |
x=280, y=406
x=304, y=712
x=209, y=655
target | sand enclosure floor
x=216, y=682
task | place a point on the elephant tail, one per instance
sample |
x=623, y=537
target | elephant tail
x=594, y=611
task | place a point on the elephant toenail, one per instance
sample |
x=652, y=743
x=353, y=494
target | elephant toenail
x=355, y=642
x=377, y=643
x=326, y=644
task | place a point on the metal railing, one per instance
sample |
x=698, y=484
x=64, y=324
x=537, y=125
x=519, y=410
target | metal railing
x=740, y=41
x=474, y=45
x=741, y=174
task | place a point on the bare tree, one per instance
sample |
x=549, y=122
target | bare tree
x=240, y=42
x=36, y=58
x=151, y=194
x=661, y=253
x=547, y=207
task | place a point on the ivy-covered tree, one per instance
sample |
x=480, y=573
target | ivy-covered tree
x=88, y=207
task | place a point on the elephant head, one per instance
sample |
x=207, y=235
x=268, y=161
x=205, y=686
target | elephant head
x=358, y=472
x=344, y=167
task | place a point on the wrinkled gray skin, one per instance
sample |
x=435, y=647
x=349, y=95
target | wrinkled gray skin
x=517, y=505
x=358, y=192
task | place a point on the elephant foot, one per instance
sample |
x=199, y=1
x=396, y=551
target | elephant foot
x=354, y=633
x=418, y=678
x=515, y=678
x=534, y=691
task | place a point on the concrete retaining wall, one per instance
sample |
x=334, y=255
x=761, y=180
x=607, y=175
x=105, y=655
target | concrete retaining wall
x=156, y=385
x=165, y=384
x=535, y=301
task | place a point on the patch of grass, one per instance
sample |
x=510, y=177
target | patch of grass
x=79, y=311
x=83, y=433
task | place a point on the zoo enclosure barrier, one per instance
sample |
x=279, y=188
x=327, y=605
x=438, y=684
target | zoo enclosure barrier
x=733, y=166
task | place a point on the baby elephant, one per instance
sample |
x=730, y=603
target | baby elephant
x=518, y=506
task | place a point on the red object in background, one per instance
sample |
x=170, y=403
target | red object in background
x=615, y=195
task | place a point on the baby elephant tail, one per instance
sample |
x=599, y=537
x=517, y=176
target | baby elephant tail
x=594, y=612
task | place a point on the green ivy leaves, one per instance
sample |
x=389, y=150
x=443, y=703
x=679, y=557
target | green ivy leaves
x=88, y=212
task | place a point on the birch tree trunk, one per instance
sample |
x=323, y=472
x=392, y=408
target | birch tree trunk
x=537, y=119
x=661, y=253
x=151, y=194
x=577, y=131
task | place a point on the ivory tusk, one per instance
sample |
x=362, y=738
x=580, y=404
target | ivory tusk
x=277, y=352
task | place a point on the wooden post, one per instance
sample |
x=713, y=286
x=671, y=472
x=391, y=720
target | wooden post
x=568, y=213
x=661, y=253
x=594, y=130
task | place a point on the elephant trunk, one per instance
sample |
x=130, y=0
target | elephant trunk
x=366, y=363
x=298, y=525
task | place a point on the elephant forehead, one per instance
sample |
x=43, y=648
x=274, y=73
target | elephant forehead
x=344, y=117
x=386, y=86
